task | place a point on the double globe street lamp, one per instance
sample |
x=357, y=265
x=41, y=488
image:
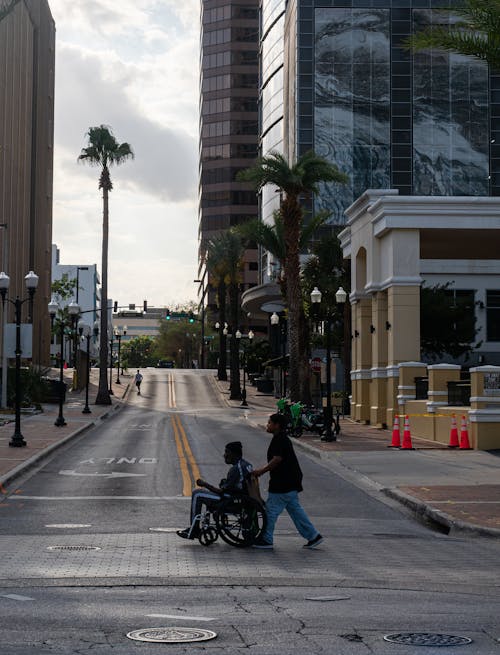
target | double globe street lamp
x=239, y=338
x=31, y=281
x=74, y=312
x=340, y=298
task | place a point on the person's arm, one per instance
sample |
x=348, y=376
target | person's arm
x=210, y=487
x=272, y=464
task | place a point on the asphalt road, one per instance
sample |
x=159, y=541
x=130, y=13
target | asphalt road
x=90, y=551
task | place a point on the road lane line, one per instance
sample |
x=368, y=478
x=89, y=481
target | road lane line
x=187, y=448
x=23, y=598
x=171, y=390
x=186, y=478
x=179, y=616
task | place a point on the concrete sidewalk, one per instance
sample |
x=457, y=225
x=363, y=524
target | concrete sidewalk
x=40, y=433
x=457, y=489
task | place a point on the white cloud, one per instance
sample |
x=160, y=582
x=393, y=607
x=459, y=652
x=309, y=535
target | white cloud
x=132, y=65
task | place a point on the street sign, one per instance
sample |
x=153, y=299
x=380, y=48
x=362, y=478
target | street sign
x=316, y=364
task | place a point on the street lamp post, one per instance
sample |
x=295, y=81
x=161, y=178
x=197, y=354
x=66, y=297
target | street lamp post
x=119, y=334
x=111, y=363
x=340, y=298
x=239, y=337
x=31, y=281
x=74, y=310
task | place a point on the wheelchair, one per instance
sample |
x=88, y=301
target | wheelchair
x=237, y=519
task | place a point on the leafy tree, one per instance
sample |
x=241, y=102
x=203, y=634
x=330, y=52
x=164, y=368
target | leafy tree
x=64, y=288
x=139, y=352
x=173, y=344
x=103, y=150
x=476, y=33
x=296, y=181
x=447, y=323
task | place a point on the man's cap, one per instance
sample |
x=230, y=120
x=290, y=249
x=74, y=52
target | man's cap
x=235, y=447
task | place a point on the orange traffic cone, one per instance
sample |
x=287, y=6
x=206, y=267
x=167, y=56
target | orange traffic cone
x=453, y=433
x=464, y=435
x=396, y=434
x=407, y=445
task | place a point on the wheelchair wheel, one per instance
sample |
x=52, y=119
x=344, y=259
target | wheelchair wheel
x=208, y=536
x=240, y=521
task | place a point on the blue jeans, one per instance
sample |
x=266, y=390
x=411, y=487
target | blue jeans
x=276, y=503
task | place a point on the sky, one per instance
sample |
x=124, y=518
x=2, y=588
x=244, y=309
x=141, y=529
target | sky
x=132, y=65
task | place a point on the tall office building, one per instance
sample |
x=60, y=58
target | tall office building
x=27, y=53
x=228, y=122
x=423, y=123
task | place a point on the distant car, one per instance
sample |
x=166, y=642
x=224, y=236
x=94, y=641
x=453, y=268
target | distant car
x=164, y=363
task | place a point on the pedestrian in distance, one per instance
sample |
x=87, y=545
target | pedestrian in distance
x=208, y=495
x=137, y=381
x=285, y=483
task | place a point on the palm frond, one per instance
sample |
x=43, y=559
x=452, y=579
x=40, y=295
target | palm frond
x=475, y=34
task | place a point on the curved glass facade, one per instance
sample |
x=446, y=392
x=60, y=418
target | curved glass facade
x=421, y=123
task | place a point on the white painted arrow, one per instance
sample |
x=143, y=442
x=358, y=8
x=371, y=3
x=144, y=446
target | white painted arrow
x=114, y=474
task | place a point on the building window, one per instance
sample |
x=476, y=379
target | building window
x=493, y=315
x=253, y=266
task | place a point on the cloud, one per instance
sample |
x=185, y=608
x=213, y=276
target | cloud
x=132, y=65
x=165, y=159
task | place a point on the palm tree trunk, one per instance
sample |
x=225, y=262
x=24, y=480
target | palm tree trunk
x=234, y=353
x=103, y=397
x=292, y=218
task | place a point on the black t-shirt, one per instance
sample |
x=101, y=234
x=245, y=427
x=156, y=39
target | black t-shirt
x=287, y=476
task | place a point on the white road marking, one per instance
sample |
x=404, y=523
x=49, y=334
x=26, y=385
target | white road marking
x=69, y=525
x=177, y=616
x=113, y=474
x=16, y=597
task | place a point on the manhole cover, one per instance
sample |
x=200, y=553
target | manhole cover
x=426, y=639
x=73, y=548
x=172, y=635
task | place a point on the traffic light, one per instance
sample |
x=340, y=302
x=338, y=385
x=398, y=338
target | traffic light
x=145, y=306
x=191, y=317
x=167, y=315
x=115, y=306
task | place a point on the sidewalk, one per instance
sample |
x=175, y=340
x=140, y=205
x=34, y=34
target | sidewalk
x=457, y=489
x=40, y=433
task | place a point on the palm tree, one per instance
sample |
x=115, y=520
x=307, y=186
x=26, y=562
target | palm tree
x=104, y=150
x=296, y=181
x=477, y=33
x=227, y=248
x=217, y=272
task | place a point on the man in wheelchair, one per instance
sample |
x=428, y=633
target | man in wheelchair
x=208, y=495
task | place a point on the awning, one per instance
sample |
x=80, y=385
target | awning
x=278, y=361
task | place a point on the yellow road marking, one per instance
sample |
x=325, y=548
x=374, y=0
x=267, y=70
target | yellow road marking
x=171, y=390
x=189, y=468
x=187, y=448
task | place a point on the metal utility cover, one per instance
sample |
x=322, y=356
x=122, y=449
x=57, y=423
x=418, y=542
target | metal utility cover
x=172, y=635
x=427, y=639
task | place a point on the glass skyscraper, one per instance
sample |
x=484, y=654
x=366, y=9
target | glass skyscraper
x=423, y=123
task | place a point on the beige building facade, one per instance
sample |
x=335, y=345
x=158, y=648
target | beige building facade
x=27, y=59
x=394, y=244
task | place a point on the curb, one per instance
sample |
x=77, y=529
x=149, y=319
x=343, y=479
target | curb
x=38, y=457
x=427, y=513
